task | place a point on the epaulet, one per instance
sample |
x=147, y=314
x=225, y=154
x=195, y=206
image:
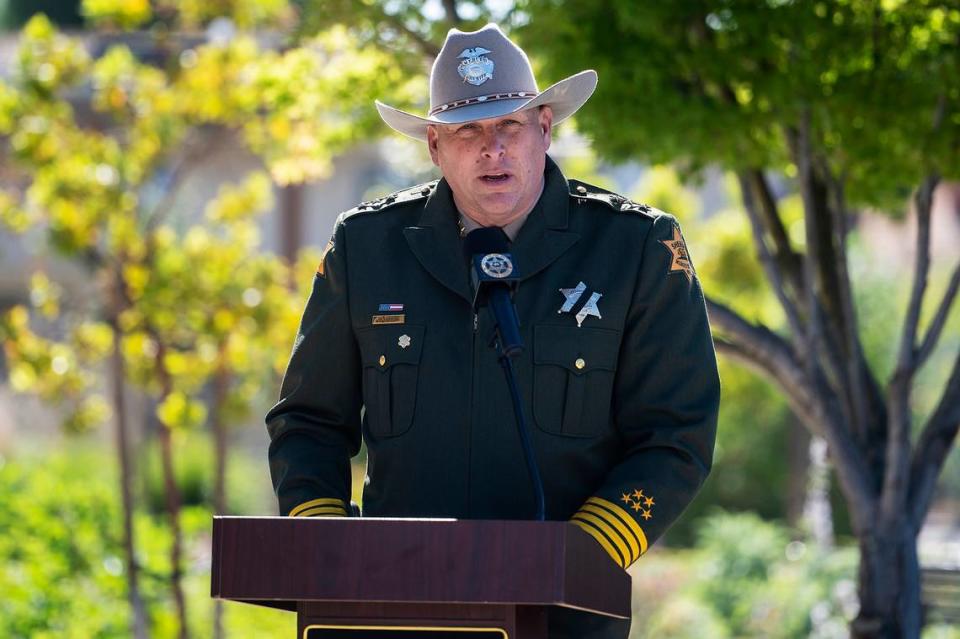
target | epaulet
x=411, y=194
x=587, y=192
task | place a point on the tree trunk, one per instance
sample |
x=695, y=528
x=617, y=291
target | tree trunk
x=173, y=514
x=139, y=621
x=221, y=384
x=817, y=512
x=798, y=465
x=889, y=585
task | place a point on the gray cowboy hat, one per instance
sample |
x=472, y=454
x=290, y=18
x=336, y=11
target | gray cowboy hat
x=482, y=74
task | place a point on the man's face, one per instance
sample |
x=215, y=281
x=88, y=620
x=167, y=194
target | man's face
x=495, y=166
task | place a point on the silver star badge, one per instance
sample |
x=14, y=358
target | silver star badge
x=590, y=308
x=573, y=295
x=404, y=341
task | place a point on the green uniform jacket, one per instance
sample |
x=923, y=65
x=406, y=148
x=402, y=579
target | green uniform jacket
x=622, y=409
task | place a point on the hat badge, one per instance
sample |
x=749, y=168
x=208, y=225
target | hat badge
x=475, y=67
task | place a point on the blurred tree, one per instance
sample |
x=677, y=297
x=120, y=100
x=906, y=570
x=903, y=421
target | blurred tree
x=857, y=101
x=102, y=147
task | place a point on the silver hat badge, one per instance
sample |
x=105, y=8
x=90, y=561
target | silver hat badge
x=475, y=67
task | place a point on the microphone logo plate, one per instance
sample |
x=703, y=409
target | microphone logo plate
x=496, y=265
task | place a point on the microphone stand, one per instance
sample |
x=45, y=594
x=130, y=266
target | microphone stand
x=506, y=361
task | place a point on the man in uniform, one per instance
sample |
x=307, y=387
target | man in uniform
x=618, y=376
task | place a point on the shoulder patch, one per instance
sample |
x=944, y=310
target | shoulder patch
x=411, y=194
x=582, y=192
x=679, y=255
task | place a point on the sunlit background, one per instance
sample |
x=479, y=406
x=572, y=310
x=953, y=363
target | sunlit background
x=170, y=170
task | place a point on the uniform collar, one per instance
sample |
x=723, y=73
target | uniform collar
x=541, y=240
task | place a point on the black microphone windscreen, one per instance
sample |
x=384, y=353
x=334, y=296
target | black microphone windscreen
x=486, y=239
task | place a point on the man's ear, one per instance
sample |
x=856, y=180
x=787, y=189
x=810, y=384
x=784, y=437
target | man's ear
x=433, y=137
x=545, y=117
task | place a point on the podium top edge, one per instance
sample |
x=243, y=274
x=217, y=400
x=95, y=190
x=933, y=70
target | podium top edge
x=387, y=519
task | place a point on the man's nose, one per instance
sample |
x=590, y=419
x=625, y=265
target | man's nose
x=493, y=143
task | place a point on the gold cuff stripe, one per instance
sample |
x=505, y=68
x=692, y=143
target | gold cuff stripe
x=614, y=536
x=325, y=501
x=617, y=525
x=625, y=517
x=599, y=536
x=323, y=511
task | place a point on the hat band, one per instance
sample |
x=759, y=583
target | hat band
x=493, y=97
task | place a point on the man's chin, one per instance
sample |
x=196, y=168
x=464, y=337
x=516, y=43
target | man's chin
x=498, y=211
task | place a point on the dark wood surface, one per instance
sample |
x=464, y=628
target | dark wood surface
x=278, y=561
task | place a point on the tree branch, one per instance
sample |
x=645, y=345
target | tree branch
x=816, y=265
x=939, y=320
x=428, y=48
x=898, y=452
x=924, y=204
x=196, y=149
x=856, y=368
x=933, y=447
x=768, y=262
x=811, y=398
x=747, y=355
x=450, y=10
x=789, y=261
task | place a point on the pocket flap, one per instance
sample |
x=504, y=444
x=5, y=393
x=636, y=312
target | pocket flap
x=384, y=346
x=580, y=350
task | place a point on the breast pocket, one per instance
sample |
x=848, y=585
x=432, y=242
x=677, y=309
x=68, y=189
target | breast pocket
x=391, y=360
x=573, y=379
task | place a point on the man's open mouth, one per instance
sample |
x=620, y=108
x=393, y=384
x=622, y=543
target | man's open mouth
x=495, y=177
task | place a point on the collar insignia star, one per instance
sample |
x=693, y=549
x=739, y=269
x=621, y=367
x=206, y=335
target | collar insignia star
x=680, y=257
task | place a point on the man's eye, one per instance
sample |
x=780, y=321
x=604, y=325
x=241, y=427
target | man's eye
x=468, y=128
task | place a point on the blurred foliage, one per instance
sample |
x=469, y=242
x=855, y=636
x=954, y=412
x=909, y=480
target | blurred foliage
x=62, y=555
x=744, y=578
x=722, y=83
x=248, y=480
x=188, y=14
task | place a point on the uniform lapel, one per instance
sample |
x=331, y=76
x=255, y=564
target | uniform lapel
x=544, y=237
x=436, y=242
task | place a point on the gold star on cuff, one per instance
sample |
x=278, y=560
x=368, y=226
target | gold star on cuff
x=625, y=498
x=636, y=506
x=646, y=514
x=648, y=501
x=638, y=494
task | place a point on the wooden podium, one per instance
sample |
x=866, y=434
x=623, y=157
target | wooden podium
x=358, y=578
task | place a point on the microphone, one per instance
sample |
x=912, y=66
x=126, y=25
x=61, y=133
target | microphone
x=494, y=275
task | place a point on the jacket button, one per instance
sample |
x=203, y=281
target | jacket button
x=383, y=360
x=579, y=363
x=582, y=190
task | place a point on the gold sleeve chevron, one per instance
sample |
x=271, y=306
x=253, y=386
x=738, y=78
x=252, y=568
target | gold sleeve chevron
x=326, y=507
x=613, y=528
